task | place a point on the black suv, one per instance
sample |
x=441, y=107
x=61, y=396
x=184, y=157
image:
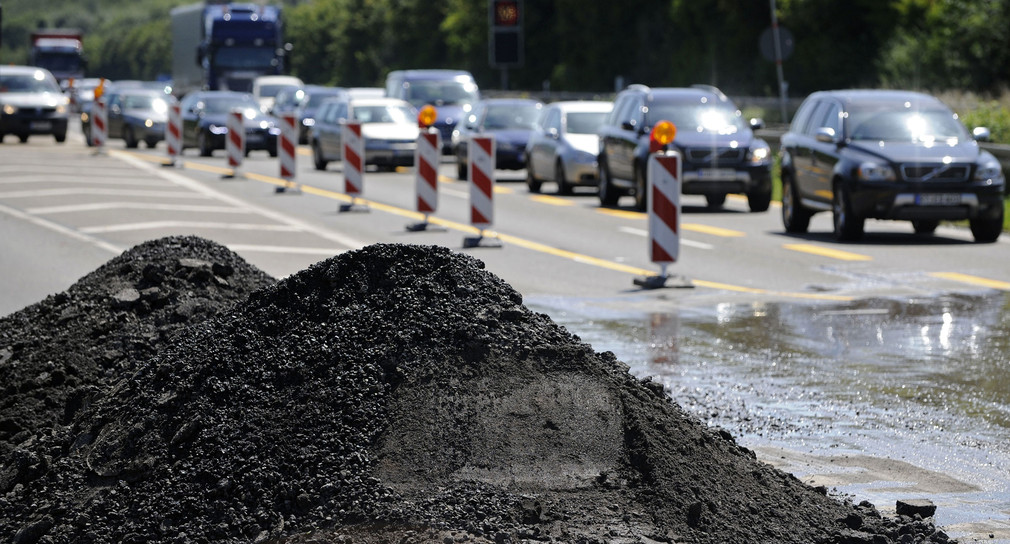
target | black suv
x=720, y=153
x=887, y=155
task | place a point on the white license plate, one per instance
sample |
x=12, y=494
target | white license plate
x=938, y=199
x=254, y=139
x=41, y=125
x=716, y=173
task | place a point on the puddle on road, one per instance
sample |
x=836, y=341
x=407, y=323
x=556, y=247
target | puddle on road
x=924, y=383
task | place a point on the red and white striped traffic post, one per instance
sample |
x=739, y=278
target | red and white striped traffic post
x=353, y=158
x=286, y=147
x=173, y=132
x=99, y=125
x=663, y=183
x=426, y=158
x=481, y=163
x=235, y=141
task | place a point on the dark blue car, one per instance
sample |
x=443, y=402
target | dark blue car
x=510, y=121
x=205, y=122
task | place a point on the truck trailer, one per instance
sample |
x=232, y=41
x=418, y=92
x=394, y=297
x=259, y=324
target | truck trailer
x=59, y=50
x=224, y=46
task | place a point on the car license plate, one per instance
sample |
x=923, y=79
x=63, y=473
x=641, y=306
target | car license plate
x=716, y=173
x=938, y=199
x=254, y=138
x=41, y=125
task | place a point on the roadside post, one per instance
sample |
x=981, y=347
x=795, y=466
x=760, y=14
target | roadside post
x=426, y=159
x=99, y=125
x=235, y=142
x=481, y=163
x=286, y=148
x=663, y=191
x=353, y=159
x=173, y=133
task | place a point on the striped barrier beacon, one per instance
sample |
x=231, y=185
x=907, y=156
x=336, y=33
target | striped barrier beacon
x=286, y=149
x=663, y=186
x=481, y=163
x=426, y=159
x=173, y=132
x=99, y=125
x=353, y=158
x=235, y=141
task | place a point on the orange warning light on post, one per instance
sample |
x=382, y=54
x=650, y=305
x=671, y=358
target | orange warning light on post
x=426, y=117
x=662, y=135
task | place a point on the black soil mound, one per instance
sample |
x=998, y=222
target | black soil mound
x=73, y=344
x=401, y=394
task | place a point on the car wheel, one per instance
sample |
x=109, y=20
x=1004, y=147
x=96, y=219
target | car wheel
x=130, y=138
x=23, y=138
x=925, y=226
x=987, y=229
x=848, y=225
x=272, y=151
x=760, y=198
x=608, y=193
x=564, y=188
x=641, y=189
x=715, y=201
x=461, y=173
x=203, y=143
x=60, y=136
x=317, y=157
x=795, y=217
x=151, y=143
x=531, y=179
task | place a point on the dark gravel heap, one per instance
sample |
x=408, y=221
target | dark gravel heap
x=75, y=343
x=402, y=394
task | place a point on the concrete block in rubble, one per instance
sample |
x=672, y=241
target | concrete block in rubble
x=910, y=507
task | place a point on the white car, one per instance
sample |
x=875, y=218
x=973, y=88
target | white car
x=563, y=148
x=265, y=89
x=388, y=126
x=31, y=102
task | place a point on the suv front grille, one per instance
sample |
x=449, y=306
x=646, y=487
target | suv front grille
x=709, y=155
x=935, y=172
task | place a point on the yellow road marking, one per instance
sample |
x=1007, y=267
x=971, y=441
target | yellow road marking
x=552, y=200
x=503, y=190
x=714, y=231
x=828, y=252
x=505, y=238
x=972, y=280
x=622, y=213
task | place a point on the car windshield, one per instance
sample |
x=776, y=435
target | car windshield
x=696, y=117
x=225, y=104
x=314, y=100
x=507, y=117
x=585, y=122
x=904, y=125
x=27, y=83
x=245, y=57
x=440, y=93
x=270, y=91
x=383, y=114
x=144, y=102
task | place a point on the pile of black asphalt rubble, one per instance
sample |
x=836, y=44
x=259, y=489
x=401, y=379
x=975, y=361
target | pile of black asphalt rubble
x=394, y=394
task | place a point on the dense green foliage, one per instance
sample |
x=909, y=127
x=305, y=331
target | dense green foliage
x=573, y=45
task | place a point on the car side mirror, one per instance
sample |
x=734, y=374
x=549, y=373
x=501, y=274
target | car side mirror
x=981, y=134
x=629, y=125
x=757, y=123
x=553, y=133
x=826, y=135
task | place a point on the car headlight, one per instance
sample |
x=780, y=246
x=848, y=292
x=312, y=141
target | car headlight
x=215, y=129
x=871, y=171
x=760, y=152
x=9, y=110
x=85, y=117
x=61, y=109
x=989, y=169
x=274, y=131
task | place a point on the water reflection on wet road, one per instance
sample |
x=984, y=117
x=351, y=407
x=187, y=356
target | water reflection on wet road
x=879, y=399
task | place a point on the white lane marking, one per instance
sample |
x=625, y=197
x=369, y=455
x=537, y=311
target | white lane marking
x=154, y=225
x=70, y=178
x=56, y=227
x=41, y=193
x=645, y=234
x=194, y=185
x=328, y=252
x=455, y=193
x=96, y=206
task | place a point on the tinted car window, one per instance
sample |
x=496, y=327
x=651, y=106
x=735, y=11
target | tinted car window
x=799, y=123
x=816, y=118
x=832, y=118
x=588, y=122
x=499, y=117
x=882, y=124
x=696, y=117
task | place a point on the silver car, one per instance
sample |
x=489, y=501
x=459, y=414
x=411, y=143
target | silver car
x=388, y=126
x=563, y=148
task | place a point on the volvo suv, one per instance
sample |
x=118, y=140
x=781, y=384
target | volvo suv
x=887, y=154
x=720, y=153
